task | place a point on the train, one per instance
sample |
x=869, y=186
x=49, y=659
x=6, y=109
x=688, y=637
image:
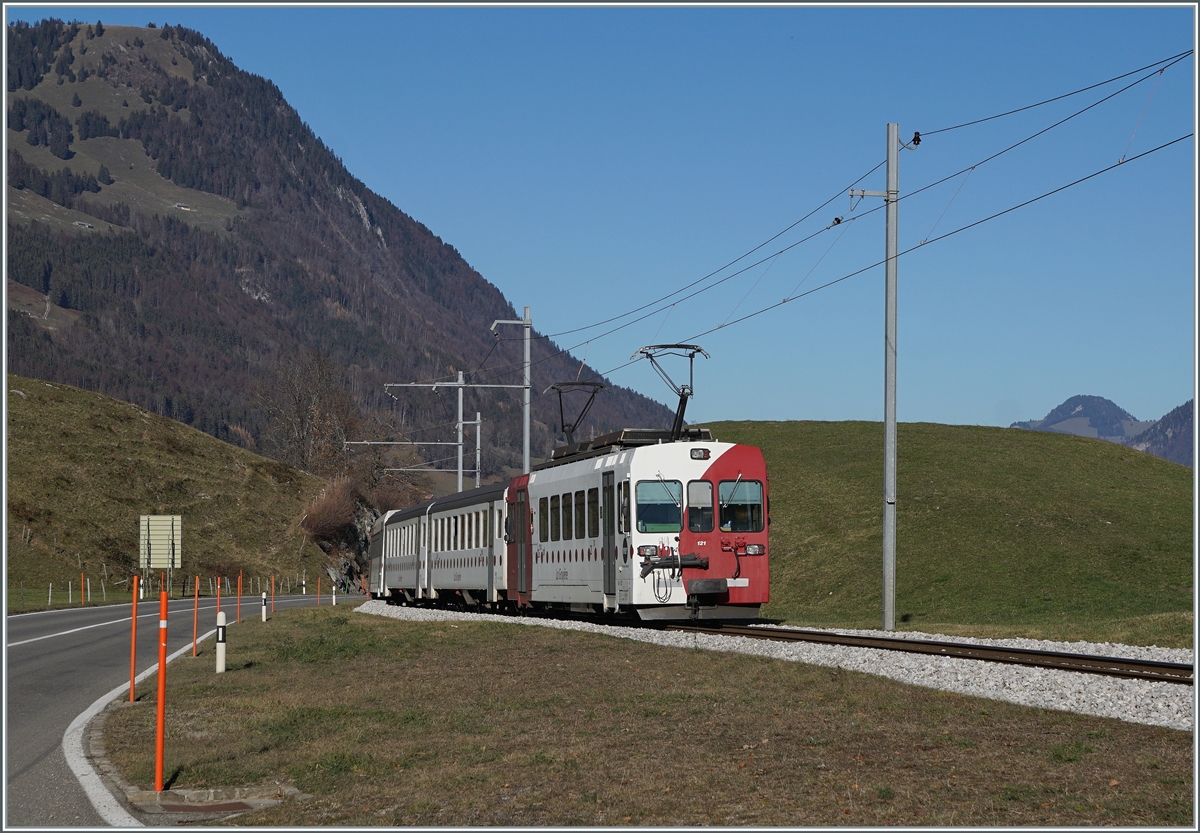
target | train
x=644, y=523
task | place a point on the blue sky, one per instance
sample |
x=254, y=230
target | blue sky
x=590, y=160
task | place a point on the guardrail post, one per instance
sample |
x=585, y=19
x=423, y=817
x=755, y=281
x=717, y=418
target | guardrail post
x=160, y=735
x=221, y=643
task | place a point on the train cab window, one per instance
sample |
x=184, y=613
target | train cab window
x=659, y=505
x=593, y=509
x=741, y=505
x=567, y=517
x=580, y=515
x=700, y=506
x=544, y=520
x=555, y=526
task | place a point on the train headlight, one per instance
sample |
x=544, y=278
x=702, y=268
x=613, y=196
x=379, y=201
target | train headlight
x=700, y=453
x=756, y=549
x=648, y=551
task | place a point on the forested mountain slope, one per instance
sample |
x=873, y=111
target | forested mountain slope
x=179, y=238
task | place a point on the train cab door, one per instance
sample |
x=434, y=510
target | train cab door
x=608, y=549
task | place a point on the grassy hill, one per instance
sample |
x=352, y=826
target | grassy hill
x=82, y=468
x=999, y=531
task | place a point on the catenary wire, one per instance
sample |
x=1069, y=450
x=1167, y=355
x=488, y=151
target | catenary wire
x=940, y=237
x=1173, y=59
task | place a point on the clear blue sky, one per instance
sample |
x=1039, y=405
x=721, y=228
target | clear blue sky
x=590, y=160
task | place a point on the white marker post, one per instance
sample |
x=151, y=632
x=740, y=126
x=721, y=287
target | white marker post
x=264, y=606
x=221, y=642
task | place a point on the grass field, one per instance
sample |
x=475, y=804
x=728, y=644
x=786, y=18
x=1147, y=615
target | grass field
x=81, y=470
x=385, y=722
x=1000, y=532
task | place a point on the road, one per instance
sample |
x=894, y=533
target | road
x=60, y=662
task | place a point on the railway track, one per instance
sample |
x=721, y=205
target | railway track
x=1152, y=670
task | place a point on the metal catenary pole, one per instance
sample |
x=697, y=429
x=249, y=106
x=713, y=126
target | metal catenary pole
x=527, y=323
x=460, y=430
x=889, y=396
x=891, y=197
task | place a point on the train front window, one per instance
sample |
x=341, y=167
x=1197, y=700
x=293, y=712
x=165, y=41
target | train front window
x=659, y=505
x=741, y=505
x=700, y=506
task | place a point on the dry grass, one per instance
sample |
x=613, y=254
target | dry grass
x=454, y=723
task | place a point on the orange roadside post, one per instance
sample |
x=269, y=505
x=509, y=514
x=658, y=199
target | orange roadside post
x=218, y=594
x=133, y=642
x=272, y=594
x=160, y=734
x=239, y=603
x=196, y=616
x=81, y=596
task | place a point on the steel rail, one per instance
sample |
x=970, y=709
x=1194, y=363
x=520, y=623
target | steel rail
x=1152, y=670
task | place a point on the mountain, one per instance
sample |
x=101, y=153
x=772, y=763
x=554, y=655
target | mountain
x=1097, y=417
x=1170, y=437
x=180, y=239
x=1089, y=416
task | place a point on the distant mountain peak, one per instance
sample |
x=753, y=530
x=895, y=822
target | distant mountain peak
x=1100, y=418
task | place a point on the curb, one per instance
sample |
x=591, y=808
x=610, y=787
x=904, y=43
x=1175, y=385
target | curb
x=105, y=803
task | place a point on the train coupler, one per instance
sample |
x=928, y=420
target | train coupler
x=672, y=562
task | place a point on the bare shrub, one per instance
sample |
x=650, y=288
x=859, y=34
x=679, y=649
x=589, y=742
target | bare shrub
x=332, y=511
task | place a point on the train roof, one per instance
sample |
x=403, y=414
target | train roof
x=616, y=440
x=452, y=501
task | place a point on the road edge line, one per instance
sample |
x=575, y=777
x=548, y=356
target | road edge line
x=97, y=792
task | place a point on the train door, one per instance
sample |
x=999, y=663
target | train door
x=608, y=547
x=520, y=551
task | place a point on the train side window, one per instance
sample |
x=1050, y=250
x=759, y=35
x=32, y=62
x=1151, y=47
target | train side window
x=700, y=506
x=580, y=515
x=555, y=526
x=593, y=508
x=568, y=515
x=544, y=520
x=659, y=505
x=623, y=493
x=741, y=505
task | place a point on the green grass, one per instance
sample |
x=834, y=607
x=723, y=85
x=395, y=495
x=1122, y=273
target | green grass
x=82, y=468
x=386, y=722
x=999, y=531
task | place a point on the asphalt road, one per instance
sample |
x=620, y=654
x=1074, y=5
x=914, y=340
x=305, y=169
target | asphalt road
x=60, y=662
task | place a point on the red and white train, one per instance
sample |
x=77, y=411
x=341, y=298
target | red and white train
x=631, y=523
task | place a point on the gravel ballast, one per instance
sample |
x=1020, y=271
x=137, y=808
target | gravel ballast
x=1137, y=701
